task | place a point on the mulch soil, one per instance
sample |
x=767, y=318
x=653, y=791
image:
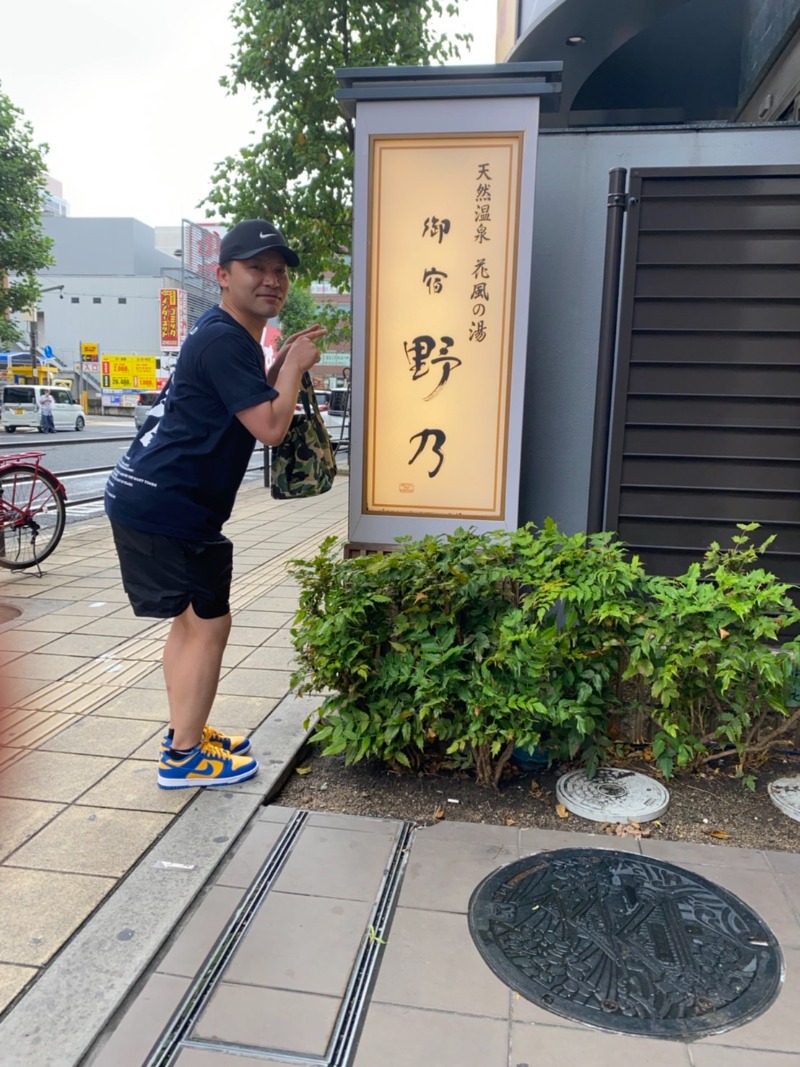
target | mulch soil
x=712, y=807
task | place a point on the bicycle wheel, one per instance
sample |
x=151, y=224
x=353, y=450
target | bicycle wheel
x=32, y=516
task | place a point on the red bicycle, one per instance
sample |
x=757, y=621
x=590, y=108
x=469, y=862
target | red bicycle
x=32, y=510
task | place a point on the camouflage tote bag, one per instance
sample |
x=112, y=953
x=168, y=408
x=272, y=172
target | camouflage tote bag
x=303, y=464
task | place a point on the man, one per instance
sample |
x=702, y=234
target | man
x=175, y=487
x=46, y=410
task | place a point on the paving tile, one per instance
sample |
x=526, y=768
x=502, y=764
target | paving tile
x=303, y=943
x=191, y=944
x=92, y=609
x=249, y=636
x=114, y=627
x=250, y=682
x=706, y=855
x=406, y=1037
x=738, y=1057
x=82, y=644
x=102, y=735
x=762, y=892
x=477, y=833
x=271, y=619
x=20, y=819
x=86, y=840
x=790, y=886
x=132, y=784
x=13, y=980
x=27, y=729
x=15, y=690
x=442, y=875
x=546, y=840
x=201, y=1057
x=250, y=854
x=344, y=864
x=142, y=1024
x=56, y=776
x=275, y=813
x=785, y=862
x=269, y=1018
x=270, y=657
x=136, y=704
x=39, y=910
x=24, y=641
x=558, y=1047
x=235, y=654
x=360, y=823
x=430, y=961
x=776, y=1030
x=281, y=638
x=53, y=623
x=38, y=666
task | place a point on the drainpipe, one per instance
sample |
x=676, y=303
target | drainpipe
x=617, y=204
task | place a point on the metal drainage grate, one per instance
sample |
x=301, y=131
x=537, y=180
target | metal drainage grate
x=625, y=943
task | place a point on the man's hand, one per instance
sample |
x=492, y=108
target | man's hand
x=268, y=422
x=310, y=333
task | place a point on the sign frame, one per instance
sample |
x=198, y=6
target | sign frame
x=439, y=119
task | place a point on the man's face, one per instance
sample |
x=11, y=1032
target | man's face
x=256, y=286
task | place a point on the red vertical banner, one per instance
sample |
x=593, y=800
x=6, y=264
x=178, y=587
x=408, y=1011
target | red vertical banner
x=170, y=332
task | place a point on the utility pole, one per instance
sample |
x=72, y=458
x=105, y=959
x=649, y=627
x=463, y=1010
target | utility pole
x=35, y=328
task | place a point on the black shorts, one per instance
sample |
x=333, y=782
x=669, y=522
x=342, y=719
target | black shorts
x=164, y=575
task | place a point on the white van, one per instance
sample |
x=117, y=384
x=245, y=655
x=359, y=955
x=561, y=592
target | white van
x=20, y=408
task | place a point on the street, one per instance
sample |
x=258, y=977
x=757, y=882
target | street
x=96, y=448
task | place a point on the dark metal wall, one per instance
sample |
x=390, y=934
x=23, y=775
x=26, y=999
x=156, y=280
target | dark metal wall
x=706, y=418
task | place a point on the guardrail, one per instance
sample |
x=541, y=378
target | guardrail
x=339, y=445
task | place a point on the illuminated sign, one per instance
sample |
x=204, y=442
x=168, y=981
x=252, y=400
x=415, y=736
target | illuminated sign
x=506, y=33
x=174, y=319
x=441, y=284
x=128, y=372
x=90, y=350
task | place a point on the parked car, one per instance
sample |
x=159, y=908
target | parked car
x=337, y=417
x=323, y=397
x=143, y=405
x=20, y=408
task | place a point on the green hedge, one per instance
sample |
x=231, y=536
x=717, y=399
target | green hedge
x=459, y=649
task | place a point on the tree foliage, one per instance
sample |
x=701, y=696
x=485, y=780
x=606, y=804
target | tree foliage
x=299, y=172
x=299, y=311
x=24, y=249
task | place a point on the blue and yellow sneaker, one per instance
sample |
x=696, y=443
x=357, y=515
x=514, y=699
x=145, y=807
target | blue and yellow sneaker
x=236, y=746
x=205, y=764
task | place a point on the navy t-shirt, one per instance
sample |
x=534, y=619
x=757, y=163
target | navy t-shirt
x=181, y=474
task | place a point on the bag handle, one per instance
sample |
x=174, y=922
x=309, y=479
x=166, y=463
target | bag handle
x=308, y=397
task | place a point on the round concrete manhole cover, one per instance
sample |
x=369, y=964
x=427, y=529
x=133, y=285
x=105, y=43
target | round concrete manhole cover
x=612, y=795
x=785, y=795
x=625, y=943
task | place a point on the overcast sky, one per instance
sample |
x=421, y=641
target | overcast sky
x=126, y=95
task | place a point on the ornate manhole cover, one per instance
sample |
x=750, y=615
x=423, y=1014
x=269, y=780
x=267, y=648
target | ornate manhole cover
x=612, y=795
x=625, y=943
x=785, y=795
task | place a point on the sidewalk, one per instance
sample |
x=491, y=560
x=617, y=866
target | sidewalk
x=224, y=932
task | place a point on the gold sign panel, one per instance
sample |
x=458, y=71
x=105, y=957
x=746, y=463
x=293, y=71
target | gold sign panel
x=442, y=250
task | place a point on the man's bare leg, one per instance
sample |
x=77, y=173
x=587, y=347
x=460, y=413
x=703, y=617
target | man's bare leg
x=192, y=661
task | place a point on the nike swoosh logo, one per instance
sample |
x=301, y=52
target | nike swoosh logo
x=265, y=235
x=204, y=770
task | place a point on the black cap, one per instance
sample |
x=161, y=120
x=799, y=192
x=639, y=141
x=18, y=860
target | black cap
x=252, y=236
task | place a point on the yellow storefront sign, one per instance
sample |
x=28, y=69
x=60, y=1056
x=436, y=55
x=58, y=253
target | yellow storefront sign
x=128, y=372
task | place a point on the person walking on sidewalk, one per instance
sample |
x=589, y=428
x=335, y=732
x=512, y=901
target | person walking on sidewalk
x=171, y=493
x=47, y=423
